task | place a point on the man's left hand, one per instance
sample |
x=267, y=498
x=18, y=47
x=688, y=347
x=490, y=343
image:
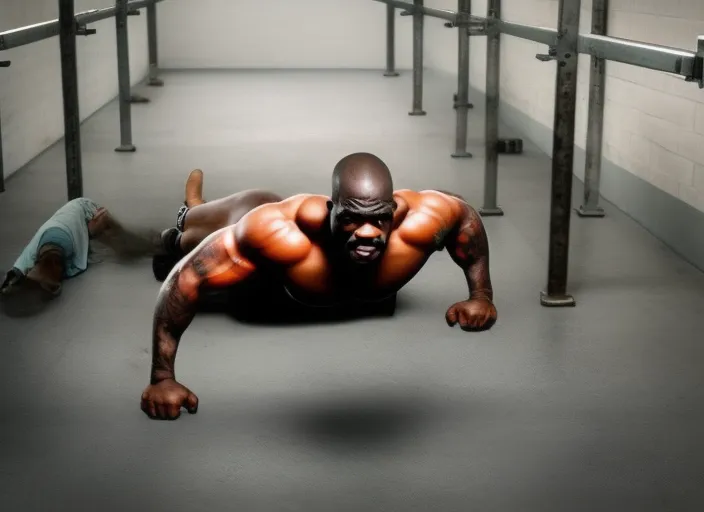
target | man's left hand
x=472, y=315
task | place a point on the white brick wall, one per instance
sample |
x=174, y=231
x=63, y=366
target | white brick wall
x=654, y=122
x=30, y=90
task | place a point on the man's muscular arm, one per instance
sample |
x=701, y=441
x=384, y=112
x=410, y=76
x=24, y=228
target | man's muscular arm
x=216, y=262
x=468, y=246
x=466, y=241
x=224, y=258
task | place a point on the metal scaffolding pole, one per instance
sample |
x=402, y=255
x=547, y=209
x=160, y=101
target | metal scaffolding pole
x=563, y=154
x=3, y=64
x=2, y=163
x=443, y=14
x=154, y=79
x=418, y=22
x=123, y=77
x=595, y=123
x=462, y=104
x=491, y=132
x=39, y=31
x=69, y=87
x=390, y=41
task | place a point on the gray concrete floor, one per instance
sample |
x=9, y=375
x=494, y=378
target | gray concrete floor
x=593, y=408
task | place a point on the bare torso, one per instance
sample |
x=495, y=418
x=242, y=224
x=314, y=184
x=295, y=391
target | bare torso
x=288, y=239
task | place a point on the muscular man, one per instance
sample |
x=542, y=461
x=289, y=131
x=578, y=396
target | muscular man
x=60, y=249
x=362, y=244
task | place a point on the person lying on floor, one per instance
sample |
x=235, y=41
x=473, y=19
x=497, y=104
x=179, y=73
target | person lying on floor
x=61, y=249
x=361, y=244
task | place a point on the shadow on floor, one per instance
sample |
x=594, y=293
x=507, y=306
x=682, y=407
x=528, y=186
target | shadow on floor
x=271, y=306
x=361, y=422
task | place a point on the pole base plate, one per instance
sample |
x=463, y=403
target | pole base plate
x=490, y=212
x=597, y=211
x=126, y=148
x=391, y=73
x=557, y=301
x=417, y=113
x=155, y=82
x=461, y=154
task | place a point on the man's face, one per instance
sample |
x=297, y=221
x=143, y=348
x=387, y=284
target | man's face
x=362, y=232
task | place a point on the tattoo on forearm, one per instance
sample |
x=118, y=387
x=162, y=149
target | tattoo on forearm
x=176, y=308
x=469, y=248
x=174, y=312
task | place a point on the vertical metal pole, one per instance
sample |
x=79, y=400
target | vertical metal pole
x=123, y=77
x=390, y=41
x=153, y=80
x=2, y=163
x=418, y=20
x=595, y=123
x=491, y=133
x=700, y=54
x=3, y=64
x=69, y=88
x=563, y=155
x=462, y=104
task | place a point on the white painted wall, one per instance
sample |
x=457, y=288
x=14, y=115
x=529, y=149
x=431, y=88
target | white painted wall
x=654, y=122
x=30, y=90
x=278, y=34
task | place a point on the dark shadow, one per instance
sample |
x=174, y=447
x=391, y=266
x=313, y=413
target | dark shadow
x=361, y=422
x=21, y=297
x=261, y=303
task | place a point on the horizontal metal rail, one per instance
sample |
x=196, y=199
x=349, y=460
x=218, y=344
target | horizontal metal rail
x=636, y=53
x=644, y=55
x=47, y=29
x=83, y=18
x=543, y=35
x=427, y=11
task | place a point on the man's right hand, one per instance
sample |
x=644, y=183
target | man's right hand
x=163, y=400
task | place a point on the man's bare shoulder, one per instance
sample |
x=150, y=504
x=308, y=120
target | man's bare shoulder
x=444, y=207
x=312, y=214
x=281, y=232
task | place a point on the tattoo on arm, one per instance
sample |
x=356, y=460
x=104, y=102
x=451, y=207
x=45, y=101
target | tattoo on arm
x=178, y=301
x=469, y=248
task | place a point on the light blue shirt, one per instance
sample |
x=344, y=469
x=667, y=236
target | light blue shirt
x=67, y=227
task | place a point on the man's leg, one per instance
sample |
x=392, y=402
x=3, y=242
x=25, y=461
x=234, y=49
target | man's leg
x=194, y=224
x=201, y=221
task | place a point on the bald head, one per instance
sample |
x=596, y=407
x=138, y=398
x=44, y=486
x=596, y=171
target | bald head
x=362, y=178
x=362, y=206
